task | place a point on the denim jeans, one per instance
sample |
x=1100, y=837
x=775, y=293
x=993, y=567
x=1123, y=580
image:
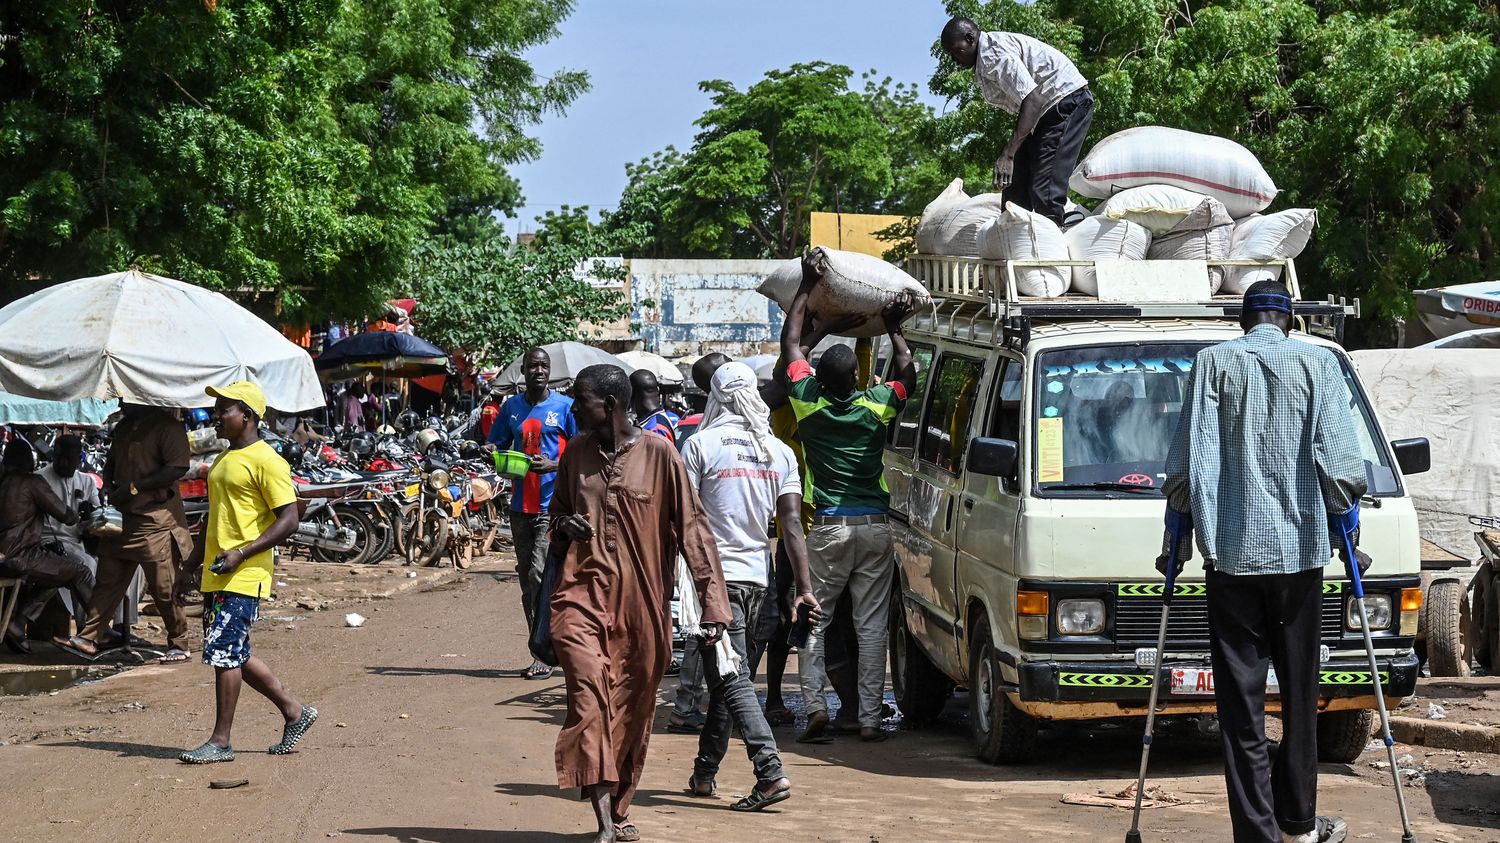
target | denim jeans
x=529, y=533
x=732, y=700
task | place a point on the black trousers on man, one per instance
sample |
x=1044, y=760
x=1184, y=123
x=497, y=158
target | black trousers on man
x=1255, y=620
x=1045, y=161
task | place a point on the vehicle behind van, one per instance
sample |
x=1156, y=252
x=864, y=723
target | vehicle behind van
x=1025, y=476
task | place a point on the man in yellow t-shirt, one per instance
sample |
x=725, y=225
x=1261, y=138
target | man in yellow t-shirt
x=252, y=508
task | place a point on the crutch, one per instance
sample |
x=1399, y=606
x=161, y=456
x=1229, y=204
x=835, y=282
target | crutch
x=1348, y=523
x=1179, y=525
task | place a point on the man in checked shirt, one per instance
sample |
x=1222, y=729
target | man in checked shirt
x=1265, y=465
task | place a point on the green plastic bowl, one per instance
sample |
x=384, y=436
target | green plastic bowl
x=512, y=464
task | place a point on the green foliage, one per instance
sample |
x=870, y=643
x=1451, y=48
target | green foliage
x=493, y=298
x=799, y=140
x=1383, y=115
x=297, y=146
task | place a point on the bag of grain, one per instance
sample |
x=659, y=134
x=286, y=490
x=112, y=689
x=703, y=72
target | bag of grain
x=1157, y=207
x=851, y=284
x=1270, y=237
x=1021, y=235
x=1099, y=239
x=950, y=224
x=1203, y=235
x=1146, y=155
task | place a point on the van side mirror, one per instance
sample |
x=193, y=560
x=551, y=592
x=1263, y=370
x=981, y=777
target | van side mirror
x=1413, y=455
x=993, y=457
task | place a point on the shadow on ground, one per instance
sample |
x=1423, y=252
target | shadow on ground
x=474, y=673
x=465, y=835
x=125, y=750
x=1465, y=799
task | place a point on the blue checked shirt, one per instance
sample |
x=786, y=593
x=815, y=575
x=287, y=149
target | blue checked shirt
x=1265, y=449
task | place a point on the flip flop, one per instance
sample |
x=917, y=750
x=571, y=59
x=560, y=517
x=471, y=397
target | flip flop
x=817, y=724
x=70, y=645
x=294, y=731
x=173, y=656
x=626, y=832
x=780, y=717
x=759, y=800
x=538, y=670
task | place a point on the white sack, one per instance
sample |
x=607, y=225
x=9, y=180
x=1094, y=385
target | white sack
x=1270, y=237
x=950, y=224
x=1100, y=239
x=1203, y=235
x=1020, y=235
x=852, y=283
x=1215, y=166
x=1158, y=207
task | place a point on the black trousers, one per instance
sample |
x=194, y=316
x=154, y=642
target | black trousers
x=1256, y=620
x=1046, y=159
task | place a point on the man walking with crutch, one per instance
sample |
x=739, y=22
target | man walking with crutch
x=1267, y=466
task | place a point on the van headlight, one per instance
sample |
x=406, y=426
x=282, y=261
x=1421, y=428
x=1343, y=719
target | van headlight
x=1377, y=607
x=1080, y=617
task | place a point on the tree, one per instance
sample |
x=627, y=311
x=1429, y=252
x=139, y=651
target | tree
x=298, y=146
x=1381, y=114
x=799, y=140
x=493, y=298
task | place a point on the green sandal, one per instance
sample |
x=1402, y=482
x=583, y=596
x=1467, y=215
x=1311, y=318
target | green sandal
x=294, y=731
x=207, y=754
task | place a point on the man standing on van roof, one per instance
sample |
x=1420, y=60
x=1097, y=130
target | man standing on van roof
x=1267, y=465
x=1050, y=99
x=843, y=439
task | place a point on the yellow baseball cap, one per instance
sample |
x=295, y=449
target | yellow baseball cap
x=246, y=392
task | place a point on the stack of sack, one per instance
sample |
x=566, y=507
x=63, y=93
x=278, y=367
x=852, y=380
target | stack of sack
x=850, y=284
x=1198, y=197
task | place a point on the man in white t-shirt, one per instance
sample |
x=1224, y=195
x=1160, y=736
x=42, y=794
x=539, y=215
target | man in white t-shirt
x=79, y=493
x=1052, y=104
x=744, y=475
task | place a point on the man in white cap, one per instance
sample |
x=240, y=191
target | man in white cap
x=744, y=475
x=252, y=508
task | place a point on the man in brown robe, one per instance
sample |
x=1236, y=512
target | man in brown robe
x=625, y=508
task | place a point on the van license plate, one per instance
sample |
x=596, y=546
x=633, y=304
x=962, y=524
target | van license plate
x=1199, y=682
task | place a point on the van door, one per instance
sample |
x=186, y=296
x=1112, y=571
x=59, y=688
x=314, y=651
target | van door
x=901, y=437
x=936, y=487
x=991, y=507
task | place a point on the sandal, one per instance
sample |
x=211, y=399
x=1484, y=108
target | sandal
x=780, y=717
x=759, y=800
x=294, y=731
x=80, y=647
x=207, y=754
x=538, y=670
x=696, y=787
x=626, y=832
x=817, y=725
x=173, y=656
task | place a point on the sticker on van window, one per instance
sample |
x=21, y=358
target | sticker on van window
x=1049, y=450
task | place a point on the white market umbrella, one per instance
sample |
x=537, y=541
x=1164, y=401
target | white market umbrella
x=665, y=370
x=568, y=359
x=149, y=340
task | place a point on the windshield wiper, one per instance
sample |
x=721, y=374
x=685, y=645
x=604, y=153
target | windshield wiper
x=1104, y=486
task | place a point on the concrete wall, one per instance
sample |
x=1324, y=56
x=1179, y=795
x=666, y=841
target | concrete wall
x=688, y=308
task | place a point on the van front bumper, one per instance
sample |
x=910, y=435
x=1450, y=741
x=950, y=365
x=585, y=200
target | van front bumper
x=1341, y=677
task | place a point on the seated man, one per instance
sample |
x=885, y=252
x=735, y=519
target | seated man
x=25, y=501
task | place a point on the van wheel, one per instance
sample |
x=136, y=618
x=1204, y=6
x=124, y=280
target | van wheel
x=1343, y=735
x=921, y=689
x=1445, y=616
x=1002, y=733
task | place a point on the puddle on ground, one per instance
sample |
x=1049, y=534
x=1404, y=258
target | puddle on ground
x=28, y=682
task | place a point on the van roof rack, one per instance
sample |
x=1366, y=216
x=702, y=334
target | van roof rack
x=968, y=290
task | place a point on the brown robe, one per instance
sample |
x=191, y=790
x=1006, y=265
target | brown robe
x=611, y=613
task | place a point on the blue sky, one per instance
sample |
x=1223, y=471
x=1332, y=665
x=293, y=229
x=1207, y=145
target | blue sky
x=646, y=58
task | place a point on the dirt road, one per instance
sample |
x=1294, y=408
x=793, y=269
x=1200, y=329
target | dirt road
x=428, y=734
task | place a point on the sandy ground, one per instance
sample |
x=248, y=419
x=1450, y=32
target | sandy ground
x=427, y=733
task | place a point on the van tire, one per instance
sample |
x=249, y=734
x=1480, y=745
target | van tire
x=1343, y=735
x=922, y=691
x=1445, y=615
x=1002, y=733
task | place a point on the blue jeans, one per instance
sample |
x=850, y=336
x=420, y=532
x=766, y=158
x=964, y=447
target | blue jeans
x=732, y=700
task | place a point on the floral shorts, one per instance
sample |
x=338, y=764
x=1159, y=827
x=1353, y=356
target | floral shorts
x=226, y=628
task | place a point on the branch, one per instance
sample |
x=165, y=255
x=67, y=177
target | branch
x=179, y=87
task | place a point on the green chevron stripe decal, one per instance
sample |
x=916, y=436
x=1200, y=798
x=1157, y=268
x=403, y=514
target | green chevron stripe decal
x=1334, y=587
x=1157, y=589
x=1104, y=680
x=1350, y=677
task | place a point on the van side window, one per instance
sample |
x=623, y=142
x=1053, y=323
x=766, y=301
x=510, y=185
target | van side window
x=903, y=434
x=950, y=406
x=1005, y=414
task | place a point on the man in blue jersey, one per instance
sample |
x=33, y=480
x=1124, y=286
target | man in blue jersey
x=646, y=406
x=538, y=422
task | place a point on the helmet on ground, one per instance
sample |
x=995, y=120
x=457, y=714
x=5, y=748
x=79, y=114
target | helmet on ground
x=362, y=444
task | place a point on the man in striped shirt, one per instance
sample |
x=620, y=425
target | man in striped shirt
x=1266, y=465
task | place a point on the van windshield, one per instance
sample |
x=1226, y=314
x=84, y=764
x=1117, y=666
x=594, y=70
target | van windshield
x=1104, y=418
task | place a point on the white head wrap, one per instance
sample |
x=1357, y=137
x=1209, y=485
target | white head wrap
x=734, y=399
